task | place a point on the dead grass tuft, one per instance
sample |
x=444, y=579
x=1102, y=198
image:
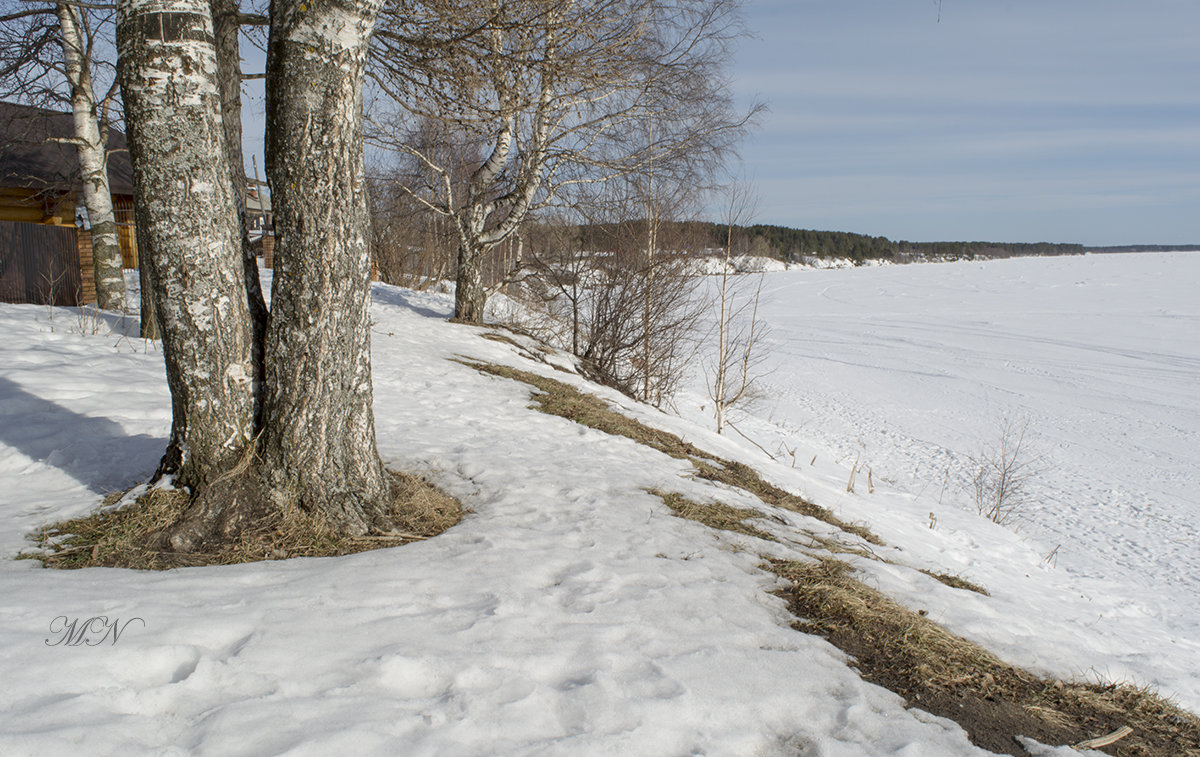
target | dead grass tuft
x=957, y=582
x=556, y=398
x=743, y=477
x=714, y=515
x=952, y=677
x=835, y=546
x=130, y=537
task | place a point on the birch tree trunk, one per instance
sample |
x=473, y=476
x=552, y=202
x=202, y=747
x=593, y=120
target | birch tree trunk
x=318, y=446
x=652, y=219
x=229, y=76
x=719, y=390
x=186, y=214
x=470, y=297
x=93, y=164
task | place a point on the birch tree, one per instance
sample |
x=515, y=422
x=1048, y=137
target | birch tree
x=732, y=368
x=302, y=437
x=319, y=428
x=48, y=54
x=546, y=92
x=185, y=212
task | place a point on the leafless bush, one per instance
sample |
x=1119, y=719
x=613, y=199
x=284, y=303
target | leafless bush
x=733, y=367
x=736, y=364
x=410, y=247
x=88, y=320
x=1002, y=471
x=632, y=317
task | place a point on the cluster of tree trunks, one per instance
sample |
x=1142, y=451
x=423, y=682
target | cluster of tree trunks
x=527, y=103
x=269, y=410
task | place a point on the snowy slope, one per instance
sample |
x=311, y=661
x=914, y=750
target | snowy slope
x=568, y=614
x=910, y=368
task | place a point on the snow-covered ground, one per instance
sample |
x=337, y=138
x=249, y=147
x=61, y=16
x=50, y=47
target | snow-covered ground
x=910, y=369
x=570, y=613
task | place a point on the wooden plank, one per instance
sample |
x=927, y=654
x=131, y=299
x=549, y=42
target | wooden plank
x=12, y=265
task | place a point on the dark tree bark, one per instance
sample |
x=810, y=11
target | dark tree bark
x=470, y=297
x=187, y=214
x=149, y=319
x=318, y=444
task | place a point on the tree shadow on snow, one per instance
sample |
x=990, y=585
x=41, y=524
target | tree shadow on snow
x=96, y=452
x=420, y=303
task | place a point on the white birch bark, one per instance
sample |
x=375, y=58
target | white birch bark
x=719, y=388
x=186, y=215
x=93, y=165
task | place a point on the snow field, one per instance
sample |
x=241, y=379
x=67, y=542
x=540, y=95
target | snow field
x=569, y=613
x=910, y=368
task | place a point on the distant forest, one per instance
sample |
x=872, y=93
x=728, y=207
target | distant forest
x=1147, y=248
x=794, y=245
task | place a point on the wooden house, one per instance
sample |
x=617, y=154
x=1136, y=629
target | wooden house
x=45, y=248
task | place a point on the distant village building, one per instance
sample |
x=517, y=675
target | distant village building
x=259, y=220
x=45, y=238
x=45, y=245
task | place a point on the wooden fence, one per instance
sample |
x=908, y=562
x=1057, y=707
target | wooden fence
x=39, y=263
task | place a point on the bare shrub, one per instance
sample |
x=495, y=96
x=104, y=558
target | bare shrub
x=629, y=309
x=733, y=369
x=1002, y=471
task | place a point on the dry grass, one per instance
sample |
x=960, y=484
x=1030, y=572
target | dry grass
x=952, y=677
x=556, y=398
x=714, y=515
x=126, y=537
x=835, y=546
x=957, y=582
x=535, y=351
x=743, y=477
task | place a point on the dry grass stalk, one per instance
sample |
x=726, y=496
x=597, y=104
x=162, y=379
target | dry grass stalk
x=1111, y=738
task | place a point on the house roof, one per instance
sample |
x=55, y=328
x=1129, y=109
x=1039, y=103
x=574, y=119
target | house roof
x=258, y=199
x=30, y=158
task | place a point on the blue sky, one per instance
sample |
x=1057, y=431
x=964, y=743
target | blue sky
x=1007, y=120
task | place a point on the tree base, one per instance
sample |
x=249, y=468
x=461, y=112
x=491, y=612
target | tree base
x=164, y=528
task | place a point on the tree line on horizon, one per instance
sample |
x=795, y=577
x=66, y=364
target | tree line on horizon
x=794, y=245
